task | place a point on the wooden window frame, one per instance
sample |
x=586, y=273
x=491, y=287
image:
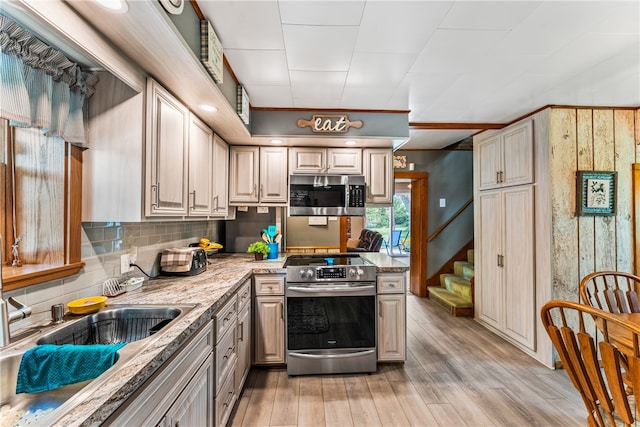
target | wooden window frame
x=30, y=274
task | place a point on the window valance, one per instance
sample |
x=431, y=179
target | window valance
x=40, y=87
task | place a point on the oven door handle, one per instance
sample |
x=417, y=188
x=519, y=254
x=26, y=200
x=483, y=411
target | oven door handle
x=332, y=356
x=336, y=289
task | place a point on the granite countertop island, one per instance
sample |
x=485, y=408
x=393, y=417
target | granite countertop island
x=208, y=291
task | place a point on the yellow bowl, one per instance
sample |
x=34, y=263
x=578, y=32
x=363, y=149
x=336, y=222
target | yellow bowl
x=87, y=305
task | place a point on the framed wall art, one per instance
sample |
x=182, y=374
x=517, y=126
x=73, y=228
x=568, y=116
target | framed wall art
x=595, y=193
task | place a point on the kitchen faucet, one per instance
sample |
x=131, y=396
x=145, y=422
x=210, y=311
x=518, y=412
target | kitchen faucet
x=6, y=319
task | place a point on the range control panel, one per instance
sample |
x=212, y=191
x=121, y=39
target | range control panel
x=331, y=273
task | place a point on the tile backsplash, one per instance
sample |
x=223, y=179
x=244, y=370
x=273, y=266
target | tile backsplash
x=103, y=243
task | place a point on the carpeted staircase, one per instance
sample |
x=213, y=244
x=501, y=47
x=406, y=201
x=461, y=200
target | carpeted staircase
x=455, y=292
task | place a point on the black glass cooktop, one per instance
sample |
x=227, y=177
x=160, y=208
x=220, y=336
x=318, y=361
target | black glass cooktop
x=320, y=260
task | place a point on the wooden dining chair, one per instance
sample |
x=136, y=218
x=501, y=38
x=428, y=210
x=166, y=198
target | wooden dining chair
x=613, y=291
x=587, y=342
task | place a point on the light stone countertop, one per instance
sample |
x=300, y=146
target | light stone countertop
x=210, y=290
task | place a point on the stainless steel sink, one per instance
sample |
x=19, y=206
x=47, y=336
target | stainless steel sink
x=137, y=325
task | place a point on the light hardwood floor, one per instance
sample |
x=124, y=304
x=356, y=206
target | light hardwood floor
x=456, y=374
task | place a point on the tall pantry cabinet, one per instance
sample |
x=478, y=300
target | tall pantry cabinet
x=505, y=283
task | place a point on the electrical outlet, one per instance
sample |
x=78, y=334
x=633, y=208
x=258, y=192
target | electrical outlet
x=124, y=264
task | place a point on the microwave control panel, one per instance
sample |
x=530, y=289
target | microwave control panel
x=356, y=196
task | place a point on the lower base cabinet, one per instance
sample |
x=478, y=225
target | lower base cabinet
x=181, y=390
x=392, y=317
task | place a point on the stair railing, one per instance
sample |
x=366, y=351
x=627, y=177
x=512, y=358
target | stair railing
x=450, y=220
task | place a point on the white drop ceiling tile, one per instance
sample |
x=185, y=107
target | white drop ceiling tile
x=319, y=48
x=269, y=96
x=307, y=84
x=547, y=30
x=321, y=12
x=586, y=51
x=399, y=26
x=451, y=50
x=316, y=103
x=370, y=69
x=259, y=67
x=487, y=15
x=245, y=24
x=623, y=18
x=367, y=98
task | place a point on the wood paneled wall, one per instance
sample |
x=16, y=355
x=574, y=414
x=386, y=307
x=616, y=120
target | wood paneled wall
x=591, y=139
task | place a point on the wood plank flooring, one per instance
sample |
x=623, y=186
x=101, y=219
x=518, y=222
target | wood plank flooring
x=457, y=374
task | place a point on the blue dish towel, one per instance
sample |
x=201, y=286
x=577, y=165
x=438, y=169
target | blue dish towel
x=47, y=367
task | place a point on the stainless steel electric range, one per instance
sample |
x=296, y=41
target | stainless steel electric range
x=330, y=314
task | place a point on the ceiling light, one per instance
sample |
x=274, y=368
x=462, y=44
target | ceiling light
x=118, y=6
x=276, y=141
x=350, y=143
x=208, y=108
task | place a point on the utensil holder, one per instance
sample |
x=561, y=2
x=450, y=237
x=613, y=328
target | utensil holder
x=273, y=251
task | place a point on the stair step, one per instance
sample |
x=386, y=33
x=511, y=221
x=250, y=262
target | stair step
x=470, y=256
x=463, y=269
x=456, y=284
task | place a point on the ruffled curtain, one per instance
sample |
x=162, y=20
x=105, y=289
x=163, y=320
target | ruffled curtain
x=40, y=87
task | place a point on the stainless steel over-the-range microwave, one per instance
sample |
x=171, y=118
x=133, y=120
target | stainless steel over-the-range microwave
x=326, y=195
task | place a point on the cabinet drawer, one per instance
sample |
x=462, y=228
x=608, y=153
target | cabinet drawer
x=269, y=285
x=244, y=295
x=225, y=317
x=224, y=402
x=391, y=284
x=226, y=356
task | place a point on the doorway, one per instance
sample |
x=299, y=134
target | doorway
x=416, y=184
x=394, y=222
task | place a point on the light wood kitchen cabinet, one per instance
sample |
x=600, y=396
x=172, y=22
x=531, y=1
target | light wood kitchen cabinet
x=166, y=153
x=505, y=256
x=392, y=317
x=325, y=160
x=269, y=320
x=193, y=406
x=244, y=335
x=200, y=171
x=258, y=175
x=220, y=172
x=181, y=389
x=505, y=158
x=378, y=175
x=273, y=175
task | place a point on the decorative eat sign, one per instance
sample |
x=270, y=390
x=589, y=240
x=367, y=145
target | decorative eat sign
x=330, y=123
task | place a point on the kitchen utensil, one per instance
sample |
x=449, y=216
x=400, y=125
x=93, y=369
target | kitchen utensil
x=278, y=238
x=87, y=305
x=111, y=288
x=272, y=231
x=265, y=238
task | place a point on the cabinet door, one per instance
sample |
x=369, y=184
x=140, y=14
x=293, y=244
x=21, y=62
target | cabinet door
x=200, y=170
x=488, y=283
x=344, y=161
x=220, y=200
x=244, y=347
x=517, y=147
x=307, y=160
x=194, y=406
x=488, y=162
x=518, y=265
x=244, y=165
x=273, y=175
x=269, y=330
x=167, y=136
x=378, y=173
x=391, y=327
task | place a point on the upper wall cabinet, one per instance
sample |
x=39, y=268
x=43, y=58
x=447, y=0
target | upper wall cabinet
x=258, y=175
x=325, y=160
x=220, y=177
x=200, y=171
x=505, y=157
x=167, y=155
x=378, y=174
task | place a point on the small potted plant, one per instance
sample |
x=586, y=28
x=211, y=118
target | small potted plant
x=259, y=249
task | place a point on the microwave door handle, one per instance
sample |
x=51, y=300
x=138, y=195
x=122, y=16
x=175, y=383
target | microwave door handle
x=346, y=196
